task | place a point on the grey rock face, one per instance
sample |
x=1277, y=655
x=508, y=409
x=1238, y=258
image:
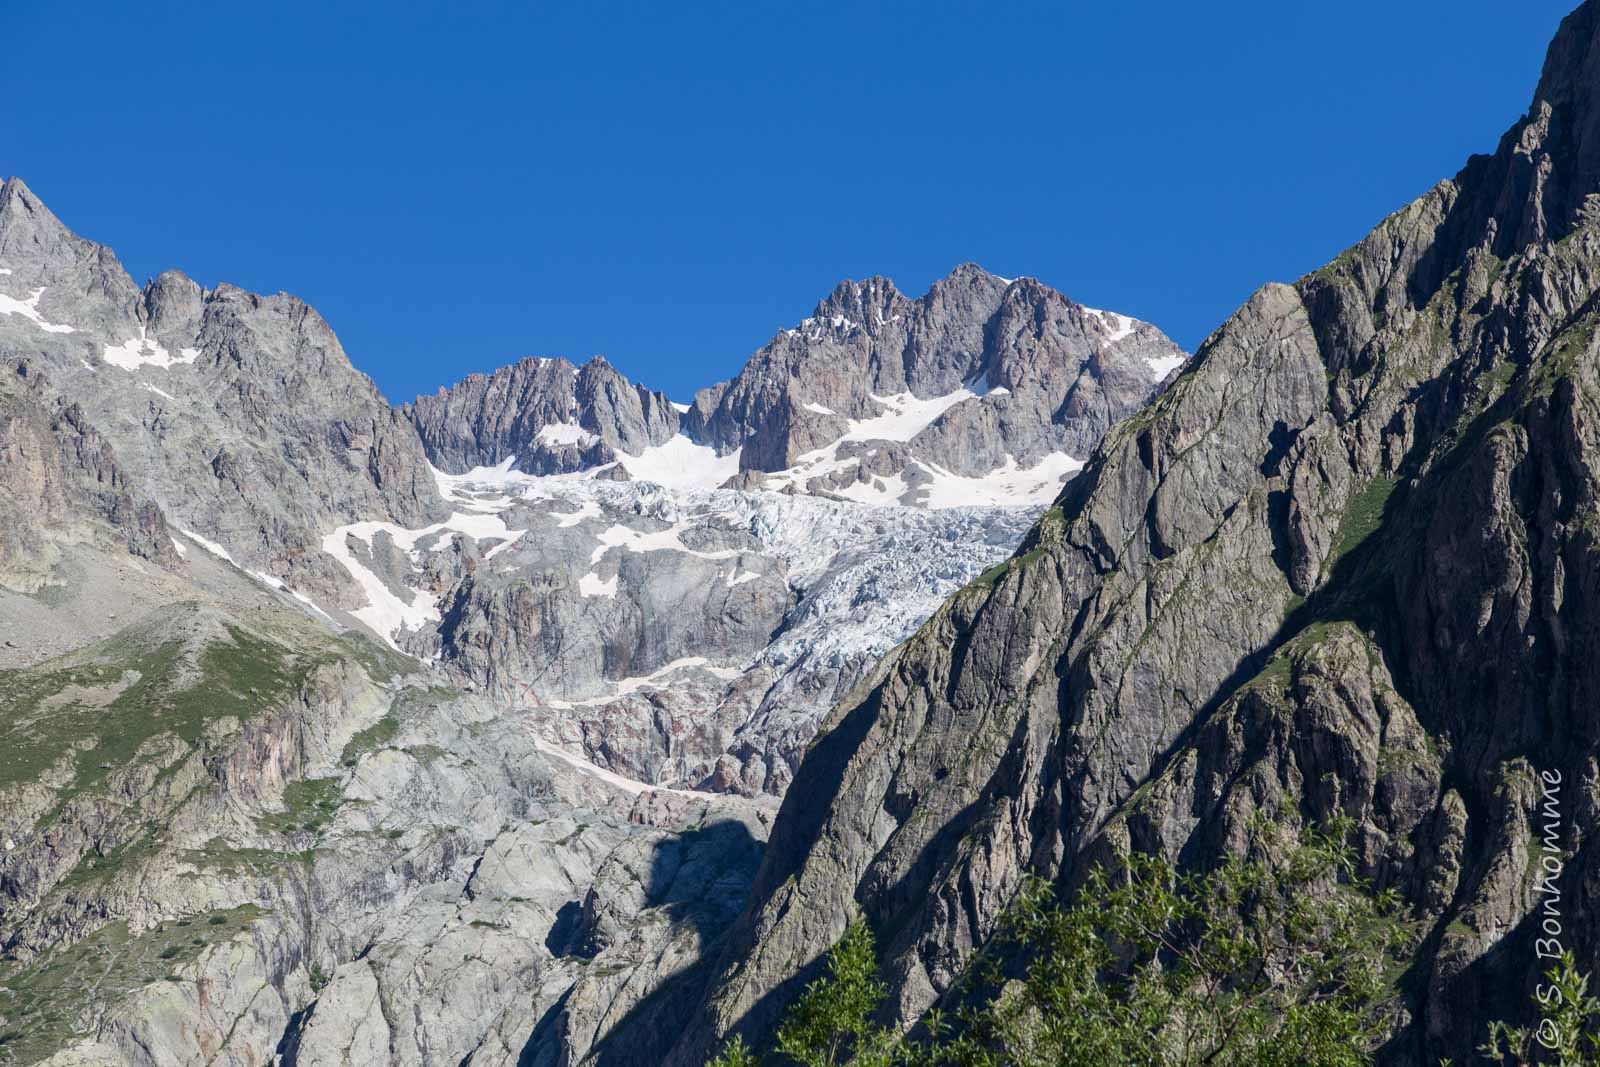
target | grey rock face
x=238, y=415
x=1057, y=374
x=62, y=484
x=300, y=859
x=297, y=845
x=874, y=395
x=587, y=415
x=473, y=423
x=1345, y=560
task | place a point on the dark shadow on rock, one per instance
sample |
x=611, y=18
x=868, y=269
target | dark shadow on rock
x=288, y=1050
x=566, y=933
x=701, y=877
x=545, y=1045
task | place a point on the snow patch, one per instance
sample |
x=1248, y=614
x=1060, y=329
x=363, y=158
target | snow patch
x=210, y=546
x=386, y=612
x=266, y=579
x=668, y=540
x=503, y=545
x=1117, y=326
x=308, y=602
x=159, y=392
x=681, y=464
x=1161, y=366
x=564, y=433
x=588, y=509
x=144, y=351
x=1006, y=486
x=815, y=328
x=818, y=408
x=905, y=416
x=592, y=585
x=611, y=778
x=879, y=490
x=29, y=309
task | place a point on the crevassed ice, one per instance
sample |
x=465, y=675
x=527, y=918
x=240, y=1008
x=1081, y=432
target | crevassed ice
x=924, y=484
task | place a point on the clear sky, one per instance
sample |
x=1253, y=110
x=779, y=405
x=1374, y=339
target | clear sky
x=457, y=186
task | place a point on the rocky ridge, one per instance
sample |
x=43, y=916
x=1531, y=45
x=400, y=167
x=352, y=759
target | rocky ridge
x=1346, y=561
x=985, y=390
x=238, y=415
x=240, y=419
x=237, y=822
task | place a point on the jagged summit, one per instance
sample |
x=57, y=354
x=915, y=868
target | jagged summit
x=1346, y=562
x=342, y=733
x=982, y=390
x=626, y=615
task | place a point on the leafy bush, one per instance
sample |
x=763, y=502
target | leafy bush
x=1252, y=964
x=1568, y=1032
x=832, y=1023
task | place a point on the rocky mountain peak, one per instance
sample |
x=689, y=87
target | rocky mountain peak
x=1564, y=121
x=983, y=390
x=28, y=229
x=1342, y=564
x=867, y=305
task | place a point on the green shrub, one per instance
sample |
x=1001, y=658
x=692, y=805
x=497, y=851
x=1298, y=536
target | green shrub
x=1568, y=1031
x=1252, y=964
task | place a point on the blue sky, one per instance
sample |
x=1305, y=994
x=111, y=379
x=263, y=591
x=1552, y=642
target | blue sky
x=669, y=184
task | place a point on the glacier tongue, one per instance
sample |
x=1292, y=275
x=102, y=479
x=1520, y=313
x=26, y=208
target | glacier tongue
x=689, y=636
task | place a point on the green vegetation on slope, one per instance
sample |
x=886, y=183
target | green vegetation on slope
x=1288, y=964
x=308, y=804
x=1362, y=517
x=99, y=709
x=45, y=1005
x=1256, y=964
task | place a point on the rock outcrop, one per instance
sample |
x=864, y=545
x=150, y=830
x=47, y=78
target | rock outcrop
x=1348, y=560
x=985, y=390
x=238, y=822
x=553, y=417
x=62, y=484
x=1019, y=373
x=238, y=415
